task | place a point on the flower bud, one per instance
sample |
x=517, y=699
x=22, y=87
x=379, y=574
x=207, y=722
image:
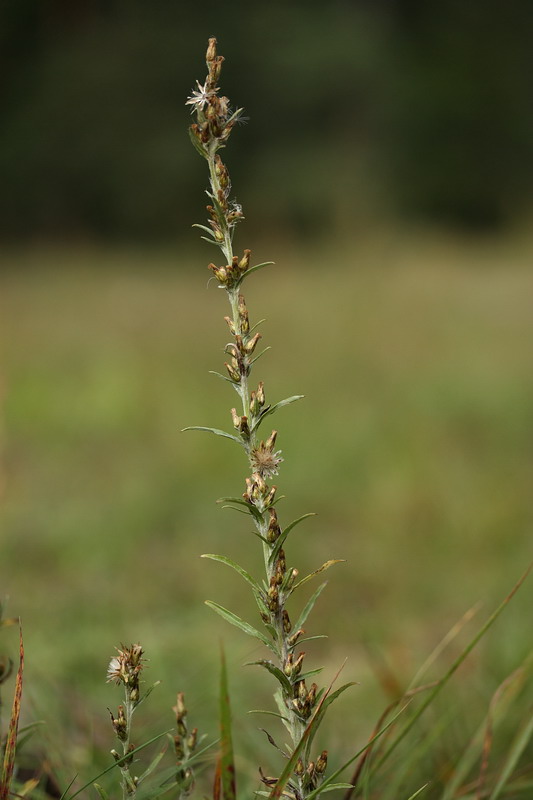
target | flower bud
x=250, y=345
x=322, y=762
x=291, y=641
x=230, y=324
x=244, y=263
x=191, y=741
x=211, y=50
x=286, y=622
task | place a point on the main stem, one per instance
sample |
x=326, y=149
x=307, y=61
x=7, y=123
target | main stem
x=296, y=724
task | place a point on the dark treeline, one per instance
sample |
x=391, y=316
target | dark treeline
x=359, y=110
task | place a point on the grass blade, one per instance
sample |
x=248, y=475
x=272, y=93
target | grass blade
x=418, y=791
x=227, y=765
x=517, y=748
x=454, y=667
x=11, y=742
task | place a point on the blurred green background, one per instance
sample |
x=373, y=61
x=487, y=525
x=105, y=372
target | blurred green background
x=386, y=169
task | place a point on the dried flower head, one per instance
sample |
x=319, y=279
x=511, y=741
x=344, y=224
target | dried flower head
x=199, y=99
x=264, y=459
x=126, y=667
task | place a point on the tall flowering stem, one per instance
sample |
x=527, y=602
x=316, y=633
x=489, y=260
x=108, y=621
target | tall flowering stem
x=297, y=701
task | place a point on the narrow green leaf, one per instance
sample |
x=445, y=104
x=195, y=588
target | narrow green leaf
x=196, y=144
x=101, y=791
x=242, y=572
x=257, y=357
x=276, y=672
x=209, y=241
x=204, y=228
x=234, y=508
x=332, y=786
x=255, y=268
x=152, y=765
x=270, y=713
x=418, y=791
x=275, y=407
x=221, y=376
x=147, y=693
x=311, y=638
x=216, y=431
x=240, y=623
x=238, y=501
x=257, y=324
x=323, y=568
x=227, y=764
x=518, y=746
x=305, y=675
x=281, y=539
x=309, y=606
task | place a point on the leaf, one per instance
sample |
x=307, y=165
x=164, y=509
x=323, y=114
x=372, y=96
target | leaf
x=147, y=693
x=220, y=375
x=204, y=228
x=256, y=267
x=270, y=713
x=311, y=638
x=216, y=431
x=209, y=241
x=309, y=606
x=153, y=764
x=242, y=572
x=196, y=144
x=275, y=407
x=323, y=568
x=240, y=623
x=101, y=791
x=418, y=791
x=305, y=675
x=227, y=765
x=518, y=746
x=276, y=672
x=257, y=324
x=250, y=508
x=332, y=786
x=257, y=357
x=11, y=740
x=273, y=742
x=281, y=539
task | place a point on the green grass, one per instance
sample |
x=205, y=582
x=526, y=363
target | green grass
x=107, y=506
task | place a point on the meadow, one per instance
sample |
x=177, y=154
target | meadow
x=413, y=446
